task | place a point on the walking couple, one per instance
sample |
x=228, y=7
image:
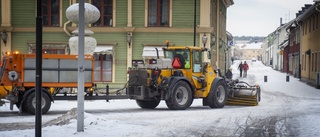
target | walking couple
x=244, y=67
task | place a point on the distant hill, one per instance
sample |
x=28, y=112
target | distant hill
x=249, y=39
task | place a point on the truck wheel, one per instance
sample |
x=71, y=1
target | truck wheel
x=30, y=103
x=217, y=96
x=148, y=104
x=180, y=97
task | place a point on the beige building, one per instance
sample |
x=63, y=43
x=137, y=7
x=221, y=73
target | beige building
x=248, y=51
x=309, y=48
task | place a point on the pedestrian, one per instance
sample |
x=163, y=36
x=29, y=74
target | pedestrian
x=232, y=59
x=240, y=68
x=229, y=73
x=245, y=68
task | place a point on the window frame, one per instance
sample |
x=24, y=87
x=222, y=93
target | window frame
x=49, y=47
x=147, y=14
x=49, y=13
x=113, y=15
x=101, y=61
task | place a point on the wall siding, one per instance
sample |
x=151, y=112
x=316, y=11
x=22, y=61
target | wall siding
x=180, y=39
x=23, y=13
x=20, y=40
x=121, y=13
x=138, y=13
x=183, y=13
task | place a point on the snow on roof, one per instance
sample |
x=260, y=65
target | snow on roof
x=250, y=45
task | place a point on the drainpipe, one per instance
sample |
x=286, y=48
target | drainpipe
x=300, y=38
x=218, y=33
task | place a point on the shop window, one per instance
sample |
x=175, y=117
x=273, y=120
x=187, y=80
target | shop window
x=102, y=67
x=103, y=63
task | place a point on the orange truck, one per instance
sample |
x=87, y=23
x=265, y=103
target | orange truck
x=59, y=75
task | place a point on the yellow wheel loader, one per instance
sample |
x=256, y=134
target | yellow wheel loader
x=178, y=78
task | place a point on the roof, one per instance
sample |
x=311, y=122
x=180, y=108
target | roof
x=250, y=45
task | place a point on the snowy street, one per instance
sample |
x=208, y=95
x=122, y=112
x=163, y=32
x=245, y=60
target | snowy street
x=286, y=109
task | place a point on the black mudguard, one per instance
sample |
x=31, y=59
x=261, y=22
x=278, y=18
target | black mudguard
x=216, y=80
x=173, y=81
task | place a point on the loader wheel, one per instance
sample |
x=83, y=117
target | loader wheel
x=217, y=96
x=30, y=103
x=180, y=97
x=147, y=104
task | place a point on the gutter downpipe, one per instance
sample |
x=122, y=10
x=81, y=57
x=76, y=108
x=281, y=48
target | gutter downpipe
x=65, y=28
x=300, y=39
x=66, y=23
x=218, y=34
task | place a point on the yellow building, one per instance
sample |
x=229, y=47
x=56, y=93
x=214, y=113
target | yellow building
x=310, y=48
x=249, y=51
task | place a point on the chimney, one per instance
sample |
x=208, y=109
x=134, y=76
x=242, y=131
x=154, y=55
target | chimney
x=280, y=21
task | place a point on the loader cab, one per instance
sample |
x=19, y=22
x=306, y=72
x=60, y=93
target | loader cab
x=185, y=58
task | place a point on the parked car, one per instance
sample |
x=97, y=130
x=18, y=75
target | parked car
x=253, y=60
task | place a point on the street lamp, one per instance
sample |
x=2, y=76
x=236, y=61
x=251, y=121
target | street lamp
x=4, y=37
x=220, y=43
x=213, y=39
x=129, y=37
x=204, y=40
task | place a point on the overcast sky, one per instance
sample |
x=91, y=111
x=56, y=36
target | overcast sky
x=261, y=17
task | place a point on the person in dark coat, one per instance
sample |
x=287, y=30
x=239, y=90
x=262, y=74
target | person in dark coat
x=229, y=73
x=240, y=68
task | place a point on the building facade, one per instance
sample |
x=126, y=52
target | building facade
x=126, y=31
x=310, y=47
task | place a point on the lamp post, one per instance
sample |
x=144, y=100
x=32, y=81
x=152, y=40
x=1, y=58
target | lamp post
x=204, y=40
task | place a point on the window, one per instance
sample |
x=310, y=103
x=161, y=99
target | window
x=50, y=51
x=49, y=48
x=158, y=13
x=106, y=11
x=309, y=20
x=197, y=61
x=312, y=60
x=50, y=13
x=316, y=62
x=103, y=63
x=303, y=62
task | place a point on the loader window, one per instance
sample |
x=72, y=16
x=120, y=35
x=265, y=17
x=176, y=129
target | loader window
x=197, y=61
x=181, y=54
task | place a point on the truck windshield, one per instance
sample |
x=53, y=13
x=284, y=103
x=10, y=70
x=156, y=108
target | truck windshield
x=3, y=66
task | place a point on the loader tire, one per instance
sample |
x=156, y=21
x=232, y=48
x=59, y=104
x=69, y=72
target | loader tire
x=29, y=105
x=147, y=104
x=217, y=96
x=180, y=97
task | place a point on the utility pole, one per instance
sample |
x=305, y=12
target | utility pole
x=80, y=110
x=194, y=22
x=38, y=110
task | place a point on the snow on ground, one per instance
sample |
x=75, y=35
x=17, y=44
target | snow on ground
x=286, y=109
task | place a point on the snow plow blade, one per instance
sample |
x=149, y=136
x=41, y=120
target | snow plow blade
x=241, y=93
